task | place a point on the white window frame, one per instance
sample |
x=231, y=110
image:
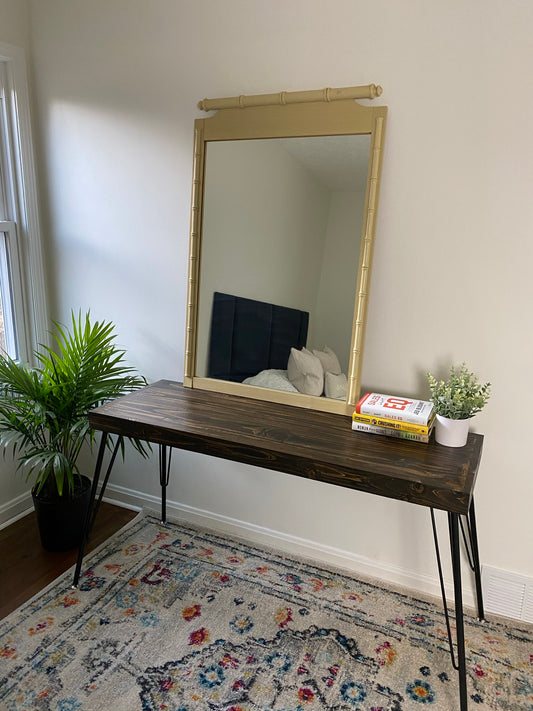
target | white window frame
x=11, y=285
x=21, y=223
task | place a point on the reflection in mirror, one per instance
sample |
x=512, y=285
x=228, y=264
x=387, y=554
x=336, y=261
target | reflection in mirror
x=283, y=215
x=282, y=224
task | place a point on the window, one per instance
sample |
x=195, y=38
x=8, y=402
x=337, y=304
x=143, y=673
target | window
x=8, y=321
x=22, y=303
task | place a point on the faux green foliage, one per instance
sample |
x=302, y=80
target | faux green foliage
x=44, y=410
x=461, y=396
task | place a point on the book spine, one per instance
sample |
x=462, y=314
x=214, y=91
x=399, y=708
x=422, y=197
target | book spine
x=393, y=424
x=387, y=432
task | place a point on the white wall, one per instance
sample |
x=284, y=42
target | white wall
x=117, y=84
x=14, y=27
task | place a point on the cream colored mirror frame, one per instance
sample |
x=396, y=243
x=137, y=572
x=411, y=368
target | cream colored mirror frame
x=289, y=114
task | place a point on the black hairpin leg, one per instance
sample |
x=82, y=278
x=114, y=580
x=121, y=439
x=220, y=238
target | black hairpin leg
x=93, y=507
x=104, y=484
x=164, y=477
x=476, y=567
x=453, y=523
x=459, y=663
x=442, y=590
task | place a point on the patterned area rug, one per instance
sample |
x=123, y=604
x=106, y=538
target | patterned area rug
x=176, y=618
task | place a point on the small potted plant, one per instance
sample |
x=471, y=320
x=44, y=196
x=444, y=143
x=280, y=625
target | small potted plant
x=456, y=400
x=44, y=419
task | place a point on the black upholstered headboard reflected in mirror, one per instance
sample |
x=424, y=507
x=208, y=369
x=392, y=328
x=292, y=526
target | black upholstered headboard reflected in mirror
x=249, y=336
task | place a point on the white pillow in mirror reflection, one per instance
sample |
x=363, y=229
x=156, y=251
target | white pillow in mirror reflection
x=305, y=372
x=273, y=379
x=336, y=386
x=330, y=362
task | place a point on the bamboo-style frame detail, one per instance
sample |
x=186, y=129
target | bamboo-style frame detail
x=369, y=91
x=194, y=257
x=311, y=113
x=365, y=262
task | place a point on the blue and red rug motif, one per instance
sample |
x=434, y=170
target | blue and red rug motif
x=174, y=618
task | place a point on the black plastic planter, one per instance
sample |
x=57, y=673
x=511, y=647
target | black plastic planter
x=61, y=520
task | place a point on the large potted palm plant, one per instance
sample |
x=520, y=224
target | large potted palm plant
x=44, y=419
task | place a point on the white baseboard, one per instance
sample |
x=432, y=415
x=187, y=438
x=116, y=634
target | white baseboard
x=287, y=543
x=12, y=510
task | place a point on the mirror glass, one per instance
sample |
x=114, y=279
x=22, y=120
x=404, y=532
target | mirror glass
x=282, y=223
x=283, y=213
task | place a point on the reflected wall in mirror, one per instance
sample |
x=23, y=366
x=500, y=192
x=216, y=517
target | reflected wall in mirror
x=283, y=215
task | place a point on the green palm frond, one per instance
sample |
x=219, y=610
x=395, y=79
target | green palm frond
x=44, y=410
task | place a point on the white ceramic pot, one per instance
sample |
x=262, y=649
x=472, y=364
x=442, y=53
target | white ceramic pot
x=451, y=433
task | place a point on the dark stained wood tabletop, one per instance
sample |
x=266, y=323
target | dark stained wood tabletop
x=306, y=443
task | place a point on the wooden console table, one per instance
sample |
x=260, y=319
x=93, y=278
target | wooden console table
x=315, y=445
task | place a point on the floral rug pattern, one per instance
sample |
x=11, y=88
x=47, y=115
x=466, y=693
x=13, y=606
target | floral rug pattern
x=176, y=618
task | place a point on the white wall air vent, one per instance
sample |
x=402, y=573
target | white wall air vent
x=527, y=610
x=507, y=594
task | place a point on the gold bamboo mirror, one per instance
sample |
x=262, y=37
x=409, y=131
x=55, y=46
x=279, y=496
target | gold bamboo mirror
x=283, y=215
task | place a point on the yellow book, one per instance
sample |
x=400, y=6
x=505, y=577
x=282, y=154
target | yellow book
x=390, y=432
x=393, y=424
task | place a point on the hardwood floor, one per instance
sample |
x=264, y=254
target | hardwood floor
x=26, y=568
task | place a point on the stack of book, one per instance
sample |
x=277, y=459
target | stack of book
x=394, y=416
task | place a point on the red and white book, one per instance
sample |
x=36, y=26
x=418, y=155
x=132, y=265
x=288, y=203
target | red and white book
x=396, y=407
